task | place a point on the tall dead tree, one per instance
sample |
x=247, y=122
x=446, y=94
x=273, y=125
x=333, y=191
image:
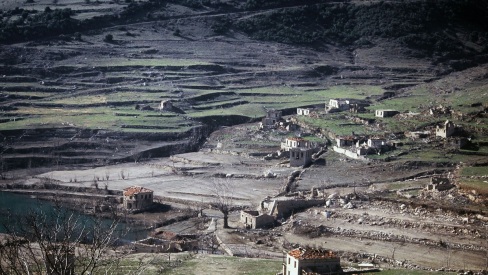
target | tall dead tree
x=223, y=198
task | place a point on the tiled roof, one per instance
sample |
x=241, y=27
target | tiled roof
x=305, y=254
x=129, y=191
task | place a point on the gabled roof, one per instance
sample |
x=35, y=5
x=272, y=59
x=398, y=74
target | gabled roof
x=129, y=191
x=308, y=254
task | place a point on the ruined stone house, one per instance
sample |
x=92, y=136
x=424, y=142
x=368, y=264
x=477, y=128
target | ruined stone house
x=305, y=261
x=376, y=142
x=358, y=107
x=283, y=207
x=137, y=198
x=254, y=220
x=270, y=120
x=166, y=105
x=296, y=142
x=337, y=105
x=345, y=141
x=352, y=105
x=301, y=156
x=445, y=130
x=386, y=113
x=439, y=184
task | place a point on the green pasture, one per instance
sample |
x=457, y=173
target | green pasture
x=334, y=124
x=98, y=118
x=474, y=171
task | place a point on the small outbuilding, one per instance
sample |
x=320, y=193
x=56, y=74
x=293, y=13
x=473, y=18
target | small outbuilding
x=303, y=111
x=254, y=220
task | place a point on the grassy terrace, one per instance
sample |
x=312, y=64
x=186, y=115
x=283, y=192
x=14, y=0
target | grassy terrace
x=123, y=119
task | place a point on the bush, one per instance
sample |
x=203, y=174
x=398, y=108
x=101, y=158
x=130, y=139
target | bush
x=109, y=38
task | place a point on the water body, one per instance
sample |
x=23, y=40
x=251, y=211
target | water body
x=18, y=205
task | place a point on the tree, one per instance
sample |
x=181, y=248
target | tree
x=223, y=199
x=109, y=38
x=60, y=242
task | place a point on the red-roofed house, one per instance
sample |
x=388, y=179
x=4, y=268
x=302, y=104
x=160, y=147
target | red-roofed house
x=137, y=198
x=302, y=261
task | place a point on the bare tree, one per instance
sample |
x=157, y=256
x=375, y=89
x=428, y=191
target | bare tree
x=58, y=242
x=223, y=198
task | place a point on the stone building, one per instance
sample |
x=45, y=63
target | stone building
x=296, y=142
x=376, y=142
x=137, y=198
x=253, y=219
x=445, y=130
x=301, y=156
x=270, y=120
x=439, y=184
x=346, y=141
x=166, y=105
x=386, y=113
x=306, y=261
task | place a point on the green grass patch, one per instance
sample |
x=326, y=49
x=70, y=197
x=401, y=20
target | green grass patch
x=334, y=124
x=125, y=119
x=474, y=171
x=249, y=110
x=228, y=265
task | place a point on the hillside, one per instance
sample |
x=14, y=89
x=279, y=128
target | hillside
x=98, y=96
x=83, y=80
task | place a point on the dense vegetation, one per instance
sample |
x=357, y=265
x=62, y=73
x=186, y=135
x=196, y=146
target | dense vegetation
x=444, y=29
x=22, y=24
x=430, y=26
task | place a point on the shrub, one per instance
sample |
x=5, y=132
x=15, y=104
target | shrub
x=109, y=38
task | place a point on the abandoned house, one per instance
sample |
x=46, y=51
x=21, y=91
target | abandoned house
x=301, y=156
x=352, y=105
x=439, y=184
x=358, y=107
x=285, y=206
x=303, y=111
x=345, y=141
x=296, y=142
x=386, y=113
x=270, y=120
x=445, y=130
x=307, y=261
x=166, y=105
x=376, y=142
x=137, y=198
x=252, y=219
x=337, y=105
